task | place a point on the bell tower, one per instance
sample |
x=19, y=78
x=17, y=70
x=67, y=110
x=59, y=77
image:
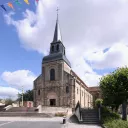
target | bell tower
x=57, y=45
x=57, y=49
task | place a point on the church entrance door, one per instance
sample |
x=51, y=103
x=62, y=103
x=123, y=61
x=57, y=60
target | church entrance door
x=52, y=102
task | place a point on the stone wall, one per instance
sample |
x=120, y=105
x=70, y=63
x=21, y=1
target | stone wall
x=83, y=96
x=57, y=89
x=38, y=85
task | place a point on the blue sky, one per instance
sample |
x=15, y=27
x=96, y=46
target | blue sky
x=13, y=55
x=93, y=32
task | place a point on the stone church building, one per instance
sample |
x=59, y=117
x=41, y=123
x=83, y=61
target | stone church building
x=58, y=85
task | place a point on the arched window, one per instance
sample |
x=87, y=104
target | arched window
x=38, y=92
x=52, y=48
x=52, y=74
x=57, y=47
x=67, y=89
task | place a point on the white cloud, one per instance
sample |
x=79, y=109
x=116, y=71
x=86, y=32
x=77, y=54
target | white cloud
x=8, y=92
x=115, y=57
x=87, y=26
x=92, y=79
x=19, y=78
x=32, y=28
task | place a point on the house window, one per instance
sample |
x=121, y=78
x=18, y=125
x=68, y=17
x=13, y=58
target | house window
x=52, y=48
x=52, y=74
x=57, y=48
x=67, y=89
x=38, y=92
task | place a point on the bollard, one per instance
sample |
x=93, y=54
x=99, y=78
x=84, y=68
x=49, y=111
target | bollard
x=64, y=120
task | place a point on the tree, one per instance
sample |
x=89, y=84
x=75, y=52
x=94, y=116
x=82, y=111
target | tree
x=8, y=101
x=27, y=96
x=114, y=87
x=98, y=102
x=108, y=89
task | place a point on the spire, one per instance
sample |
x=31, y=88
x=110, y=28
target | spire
x=57, y=34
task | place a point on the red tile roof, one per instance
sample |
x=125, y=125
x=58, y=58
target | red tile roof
x=95, y=88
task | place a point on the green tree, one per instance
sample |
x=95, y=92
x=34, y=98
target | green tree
x=107, y=86
x=27, y=96
x=114, y=87
x=8, y=101
x=98, y=102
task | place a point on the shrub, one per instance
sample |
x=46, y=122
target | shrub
x=116, y=124
x=108, y=115
x=8, y=101
x=98, y=102
x=60, y=114
x=111, y=119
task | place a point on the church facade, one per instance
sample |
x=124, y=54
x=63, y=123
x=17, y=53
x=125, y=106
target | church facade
x=58, y=85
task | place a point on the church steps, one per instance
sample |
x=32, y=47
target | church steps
x=89, y=116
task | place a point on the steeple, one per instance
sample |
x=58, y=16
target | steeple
x=57, y=49
x=57, y=33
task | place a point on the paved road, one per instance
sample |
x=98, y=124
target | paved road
x=25, y=122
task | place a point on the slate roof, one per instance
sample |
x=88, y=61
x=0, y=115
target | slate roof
x=55, y=57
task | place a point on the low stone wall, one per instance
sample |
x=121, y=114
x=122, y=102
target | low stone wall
x=43, y=111
x=8, y=107
x=77, y=113
x=53, y=110
x=20, y=114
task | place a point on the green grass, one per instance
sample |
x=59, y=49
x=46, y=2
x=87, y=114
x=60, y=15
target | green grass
x=116, y=123
x=112, y=120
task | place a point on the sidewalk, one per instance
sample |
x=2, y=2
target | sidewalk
x=56, y=119
x=73, y=125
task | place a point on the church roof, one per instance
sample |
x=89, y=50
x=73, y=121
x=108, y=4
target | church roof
x=55, y=57
x=94, y=89
x=57, y=33
x=74, y=74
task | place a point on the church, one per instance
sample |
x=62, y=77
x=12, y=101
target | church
x=58, y=85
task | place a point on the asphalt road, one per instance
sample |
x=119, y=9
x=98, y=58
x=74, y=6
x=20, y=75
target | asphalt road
x=30, y=124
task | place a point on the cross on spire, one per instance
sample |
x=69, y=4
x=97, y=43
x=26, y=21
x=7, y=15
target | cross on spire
x=57, y=12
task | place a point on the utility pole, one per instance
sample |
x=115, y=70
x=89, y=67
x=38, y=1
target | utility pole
x=19, y=99
x=22, y=97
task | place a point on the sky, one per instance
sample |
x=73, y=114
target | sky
x=94, y=32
